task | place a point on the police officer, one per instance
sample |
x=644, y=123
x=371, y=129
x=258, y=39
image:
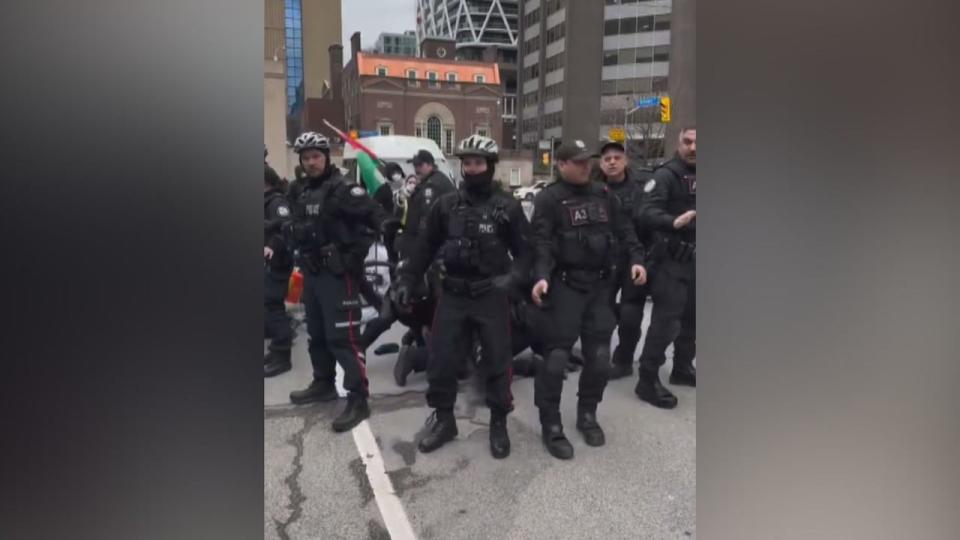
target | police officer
x=333, y=228
x=433, y=185
x=579, y=235
x=473, y=232
x=669, y=209
x=277, y=268
x=622, y=182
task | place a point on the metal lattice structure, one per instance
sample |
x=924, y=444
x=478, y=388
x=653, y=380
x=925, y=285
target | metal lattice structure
x=472, y=23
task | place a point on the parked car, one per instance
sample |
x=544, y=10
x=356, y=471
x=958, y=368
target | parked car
x=529, y=192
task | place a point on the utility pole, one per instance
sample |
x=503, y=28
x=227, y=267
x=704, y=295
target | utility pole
x=682, y=81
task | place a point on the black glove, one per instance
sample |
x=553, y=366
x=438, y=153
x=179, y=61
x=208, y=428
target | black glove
x=404, y=294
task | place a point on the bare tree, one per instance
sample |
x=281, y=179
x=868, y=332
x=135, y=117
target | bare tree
x=644, y=135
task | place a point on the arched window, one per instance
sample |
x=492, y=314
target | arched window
x=434, y=130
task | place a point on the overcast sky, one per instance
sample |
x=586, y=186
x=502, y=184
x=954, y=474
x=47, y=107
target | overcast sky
x=370, y=17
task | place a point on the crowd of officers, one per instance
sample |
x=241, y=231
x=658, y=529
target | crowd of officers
x=471, y=269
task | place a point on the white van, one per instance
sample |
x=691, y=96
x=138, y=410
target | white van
x=396, y=149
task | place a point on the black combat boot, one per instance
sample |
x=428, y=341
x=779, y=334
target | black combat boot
x=683, y=375
x=620, y=367
x=276, y=362
x=588, y=426
x=442, y=431
x=316, y=392
x=554, y=439
x=499, y=440
x=650, y=390
x=356, y=411
x=404, y=366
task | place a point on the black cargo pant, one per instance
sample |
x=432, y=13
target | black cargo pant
x=673, y=291
x=629, y=313
x=276, y=321
x=457, y=318
x=332, y=304
x=569, y=313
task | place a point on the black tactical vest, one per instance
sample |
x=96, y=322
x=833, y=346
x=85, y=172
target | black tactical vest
x=585, y=239
x=475, y=242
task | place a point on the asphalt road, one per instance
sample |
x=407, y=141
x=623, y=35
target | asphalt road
x=641, y=485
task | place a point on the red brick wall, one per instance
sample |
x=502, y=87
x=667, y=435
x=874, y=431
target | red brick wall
x=469, y=105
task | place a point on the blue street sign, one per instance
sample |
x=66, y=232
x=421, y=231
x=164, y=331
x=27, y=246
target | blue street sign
x=368, y=134
x=649, y=102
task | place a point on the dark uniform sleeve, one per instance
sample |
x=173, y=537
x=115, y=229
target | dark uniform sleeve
x=356, y=206
x=424, y=247
x=278, y=213
x=384, y=196
x=419, y=207
x=411, y=221
x=653, y=207
x=625, y=231
x=520, y=246
x=544, y=212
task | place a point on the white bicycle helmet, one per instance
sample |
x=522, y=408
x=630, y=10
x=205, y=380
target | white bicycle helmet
x=478, y=145
x=309, y=140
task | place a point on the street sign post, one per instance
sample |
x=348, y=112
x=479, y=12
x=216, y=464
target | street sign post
x=649, y=102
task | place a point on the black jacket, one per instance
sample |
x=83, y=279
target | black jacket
x=581, y=227
x=276, y=212
x=421, y=200
x=473, y=235
x=334, y=213
x=671, y=192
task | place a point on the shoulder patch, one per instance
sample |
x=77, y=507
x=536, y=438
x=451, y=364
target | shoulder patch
x=648, y=187
x=357, y=191
x=283, y=211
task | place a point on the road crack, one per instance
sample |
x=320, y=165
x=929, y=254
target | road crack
x=292, y=480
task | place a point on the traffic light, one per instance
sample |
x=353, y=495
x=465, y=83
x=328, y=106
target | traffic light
x=665, y=109
x=546, y=159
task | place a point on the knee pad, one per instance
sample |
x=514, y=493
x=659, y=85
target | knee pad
x=601, y=360
x=556, y=362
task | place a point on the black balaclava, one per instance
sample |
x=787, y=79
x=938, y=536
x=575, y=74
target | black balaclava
x=480, y=184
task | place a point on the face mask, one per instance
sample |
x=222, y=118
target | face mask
x=479, y=182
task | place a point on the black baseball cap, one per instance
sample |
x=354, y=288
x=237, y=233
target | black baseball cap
x=575, y=151
x=421, y=157
x=611, y=144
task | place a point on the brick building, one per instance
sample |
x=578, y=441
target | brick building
x=441, y=99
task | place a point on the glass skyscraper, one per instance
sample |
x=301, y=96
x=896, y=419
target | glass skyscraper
x=294, y=27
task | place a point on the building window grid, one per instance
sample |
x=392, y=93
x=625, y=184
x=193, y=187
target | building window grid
x=556, y=33
x=638, y=55
x=555, y=62
x=448, y=141
x=634, y=25
x=294, y=49
x=434, y=129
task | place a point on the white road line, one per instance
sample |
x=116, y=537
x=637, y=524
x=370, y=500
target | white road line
x=391, y=509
